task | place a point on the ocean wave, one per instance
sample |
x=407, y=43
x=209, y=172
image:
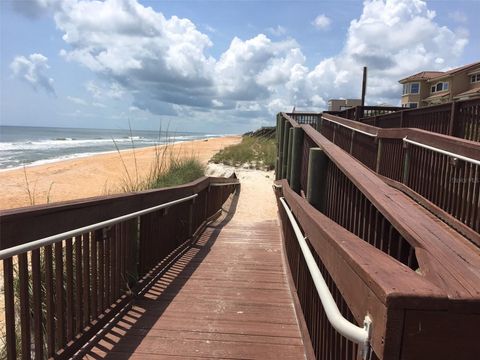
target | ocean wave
x=70, y=143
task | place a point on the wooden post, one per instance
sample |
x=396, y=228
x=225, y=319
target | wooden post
x=190, y=218
x=278, y=169
x=296, y=162
x=352, y=139
x=289, y=154
x=317, y=166
x=133, y=243
x=401, y=119
x=364, y=85
x=379, y=155
x=406, y=163
x=278, y=137
x=451, y=125
x=318, y=125
x=286, y=127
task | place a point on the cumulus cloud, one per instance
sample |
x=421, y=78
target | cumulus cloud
x=458, y=16
x=162, y=65
x=77, y=100
x=411, y=41
x=279, y=30
x=33, y=70
x=322, y=22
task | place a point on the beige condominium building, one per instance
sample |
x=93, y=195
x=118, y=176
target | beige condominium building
x=436, y=87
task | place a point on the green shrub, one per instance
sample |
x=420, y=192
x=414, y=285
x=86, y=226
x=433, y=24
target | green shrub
x=258, y=152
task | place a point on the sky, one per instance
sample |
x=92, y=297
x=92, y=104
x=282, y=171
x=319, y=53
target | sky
x=221, y=67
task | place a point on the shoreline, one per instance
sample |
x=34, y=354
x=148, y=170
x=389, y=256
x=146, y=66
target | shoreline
x=94, y=175
x=88, y=154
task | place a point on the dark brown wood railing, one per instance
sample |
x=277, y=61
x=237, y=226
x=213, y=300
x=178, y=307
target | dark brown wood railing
x=359, y=112
x=447, y=185
x=59, y=295
x=383, y=254
x=459, y=119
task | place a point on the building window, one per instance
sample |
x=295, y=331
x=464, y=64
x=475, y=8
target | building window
x=414, y=88
x=411, y=88
x=475, y=78
x=441, y=86
x=412, y=105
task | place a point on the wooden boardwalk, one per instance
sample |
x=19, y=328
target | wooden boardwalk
x=227, y=297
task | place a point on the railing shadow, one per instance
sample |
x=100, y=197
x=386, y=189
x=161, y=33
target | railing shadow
x=122, y=337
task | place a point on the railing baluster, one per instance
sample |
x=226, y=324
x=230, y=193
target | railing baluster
x=86, y=278
x=78, y=285
x=69, y=289
x=37, y=304
x=59, y=297
x=9, y=294
x=50, y=305
x=24, y=305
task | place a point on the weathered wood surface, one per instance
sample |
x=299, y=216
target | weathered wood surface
x=226, y=297
x=445, y=257
x=51, y=219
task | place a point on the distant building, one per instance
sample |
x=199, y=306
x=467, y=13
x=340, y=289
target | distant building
x=436, y=87
x=342, y=104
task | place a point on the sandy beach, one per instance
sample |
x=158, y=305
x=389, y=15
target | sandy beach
x=94, y=175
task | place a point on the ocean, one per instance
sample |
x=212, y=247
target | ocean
x=25, y=146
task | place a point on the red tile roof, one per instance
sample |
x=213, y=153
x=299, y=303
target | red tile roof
x=474, y=91
x=433, y=75
x=424, y=75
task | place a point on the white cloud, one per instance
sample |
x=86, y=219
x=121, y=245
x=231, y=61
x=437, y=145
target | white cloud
x=458, y=16
x=161, y=65
x=77, y=100
x=112, y=90
x=322, y=22
x=210, y=29
x=33, y=70
x=279, y=30
x=411, y=41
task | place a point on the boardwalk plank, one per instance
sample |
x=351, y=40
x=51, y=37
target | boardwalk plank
x=226, y=297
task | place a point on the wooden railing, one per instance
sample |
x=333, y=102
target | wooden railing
x=63, y=289
x=359, y=112
x=447, y=182
x=384, y=256
x=459, y=119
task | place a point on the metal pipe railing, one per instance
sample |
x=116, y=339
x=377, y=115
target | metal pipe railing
x=350, y=127
x=444, y=152
x=344, y=327
x=49, y=240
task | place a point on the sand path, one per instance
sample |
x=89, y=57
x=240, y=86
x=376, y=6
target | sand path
x=257, y=200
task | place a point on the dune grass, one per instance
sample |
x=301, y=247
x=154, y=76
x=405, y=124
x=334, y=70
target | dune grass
x=168, y=168
x=255, y=152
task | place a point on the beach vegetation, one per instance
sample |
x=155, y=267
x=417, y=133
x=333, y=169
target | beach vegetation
x=257, y=152
x=169, y=167
x=31, y=190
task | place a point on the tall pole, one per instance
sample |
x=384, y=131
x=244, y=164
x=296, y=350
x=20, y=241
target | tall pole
x=364, y=85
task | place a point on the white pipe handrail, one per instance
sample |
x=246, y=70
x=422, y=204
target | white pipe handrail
x=344, y=327
x=444, y=152
x=349, y=127
x=49, y=240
